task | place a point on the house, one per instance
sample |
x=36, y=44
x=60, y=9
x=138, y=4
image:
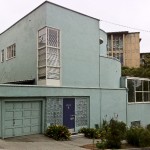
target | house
x=125, y=46
x=54, y=70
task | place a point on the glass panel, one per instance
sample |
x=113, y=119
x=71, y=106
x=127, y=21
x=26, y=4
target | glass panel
x=42, y=73
x=139, y=97
x=42, y=57
x=138, y=85
x=42, y=38
x=146, y=96
x=54, y=111
x=81, y=112
x=53, y=73
x=53, y=37
x=130, y=85
x=145, y=85
x=53, y=57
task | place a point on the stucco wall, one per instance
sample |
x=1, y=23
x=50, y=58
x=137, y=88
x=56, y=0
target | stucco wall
x=138, y=112
x=103, y=46
x=110, y=73
x=79, y=46
x=113, y=104
x=24, y=34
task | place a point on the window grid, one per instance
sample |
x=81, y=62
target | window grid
x=49, y=53
x=11, y=51
x=139, y=90
x=2, y=55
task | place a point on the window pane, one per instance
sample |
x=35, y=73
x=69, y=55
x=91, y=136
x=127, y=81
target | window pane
x=146, y=96
x=130, y=85
x=139, y=97
x=138, y=85
x=42, y=38
x=53, y=73
x=145, y=85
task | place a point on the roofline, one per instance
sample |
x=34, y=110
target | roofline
x=40, y=6
x=124, y=32
x=117, y=32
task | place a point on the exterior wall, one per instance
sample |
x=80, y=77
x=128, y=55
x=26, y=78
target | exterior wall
x=127, y=49
x=76, y=31
x=113, y=104
x=24, y=34
x=110, y=73
x=79, y=46
x=103, y=46
x=138, y=112
x=132, y=50
x=101, y=101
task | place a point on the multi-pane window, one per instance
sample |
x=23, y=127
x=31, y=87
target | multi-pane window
x=53, y=54
x=11, y=51
x=138, y=90
x=117, y=42
x=49, y=53
x=2, y=55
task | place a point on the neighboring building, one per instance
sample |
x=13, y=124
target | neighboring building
x=145, y=59
x=62, y=53
x=125, y=47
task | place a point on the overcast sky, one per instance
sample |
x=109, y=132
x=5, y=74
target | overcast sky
x=131, y=13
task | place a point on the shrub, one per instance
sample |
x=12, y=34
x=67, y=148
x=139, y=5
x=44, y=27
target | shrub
x=148, y=127
x=101, y=145
x=113, y=131
x=116, y=132
x=138, y=136
x=58, y=132
x=90, y=132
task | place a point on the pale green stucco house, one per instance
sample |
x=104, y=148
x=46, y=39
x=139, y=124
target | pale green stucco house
x=56, y=59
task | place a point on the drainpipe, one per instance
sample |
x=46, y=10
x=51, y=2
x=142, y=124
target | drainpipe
x=100, y=92
x=126, y=101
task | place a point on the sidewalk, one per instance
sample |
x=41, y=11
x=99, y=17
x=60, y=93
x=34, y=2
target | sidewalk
x=40, y=142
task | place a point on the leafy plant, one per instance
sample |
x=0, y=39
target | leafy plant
x=112, y=133
x=58, y=132
x=138, y=136
x=90, y=133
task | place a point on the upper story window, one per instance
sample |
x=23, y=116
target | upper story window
x=49, y=53
x=11, y=51
x=2, y=55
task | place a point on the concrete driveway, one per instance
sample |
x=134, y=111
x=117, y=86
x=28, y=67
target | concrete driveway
x=40, y=142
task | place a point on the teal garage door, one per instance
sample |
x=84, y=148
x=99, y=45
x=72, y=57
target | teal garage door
x=22, y=118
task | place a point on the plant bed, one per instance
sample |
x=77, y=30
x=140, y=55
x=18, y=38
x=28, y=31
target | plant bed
x=91, y=147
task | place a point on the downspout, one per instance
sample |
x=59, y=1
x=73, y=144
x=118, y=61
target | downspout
x=100, y=92
x=126, y=101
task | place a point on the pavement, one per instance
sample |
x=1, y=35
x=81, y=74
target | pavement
x=41, y=142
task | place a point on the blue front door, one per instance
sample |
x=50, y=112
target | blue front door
x=69, y=112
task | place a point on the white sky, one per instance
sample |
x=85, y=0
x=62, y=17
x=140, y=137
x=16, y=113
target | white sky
x=132, y=13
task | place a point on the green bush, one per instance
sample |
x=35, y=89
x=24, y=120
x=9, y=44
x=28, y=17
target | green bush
x=101, y=145
x=148, y=127
x=138, y=136
x=58, y=132
x=90, y=132
x=116, y=133
x=113, y=132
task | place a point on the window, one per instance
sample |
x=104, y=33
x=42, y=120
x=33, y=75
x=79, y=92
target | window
x=138, y=90
x=11, y=51
x=2, y=55
x=49, y=53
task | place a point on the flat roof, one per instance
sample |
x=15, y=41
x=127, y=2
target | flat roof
x=51, y=4
x=122, y=32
